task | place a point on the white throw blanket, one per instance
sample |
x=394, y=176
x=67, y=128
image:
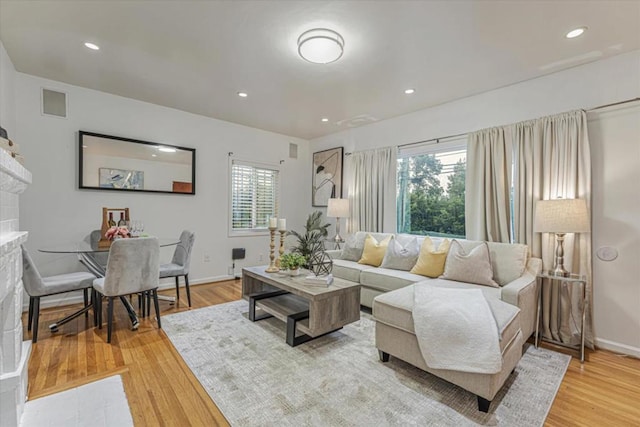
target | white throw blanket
x=456, y=329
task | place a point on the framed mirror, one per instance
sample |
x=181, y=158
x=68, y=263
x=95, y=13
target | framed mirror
x=123, y=164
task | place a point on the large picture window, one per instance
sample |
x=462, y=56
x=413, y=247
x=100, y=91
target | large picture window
x=254, y=196
x=431, y=186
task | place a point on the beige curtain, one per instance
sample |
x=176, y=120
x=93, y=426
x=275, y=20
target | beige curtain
x=552, y=159
x=488, y=186
x=372, y=185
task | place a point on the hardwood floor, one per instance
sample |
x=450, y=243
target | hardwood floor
x=162, y=391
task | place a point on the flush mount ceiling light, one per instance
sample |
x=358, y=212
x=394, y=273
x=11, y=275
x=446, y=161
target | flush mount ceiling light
x=167, y=149
x=92, y=46
x=576, y=33
x=320, y=46
x=409, y=91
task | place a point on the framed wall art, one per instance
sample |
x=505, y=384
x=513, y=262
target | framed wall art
x=327, y=176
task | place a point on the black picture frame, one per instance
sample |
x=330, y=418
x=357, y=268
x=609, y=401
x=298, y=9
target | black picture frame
x=326, y=176
x=82, y=137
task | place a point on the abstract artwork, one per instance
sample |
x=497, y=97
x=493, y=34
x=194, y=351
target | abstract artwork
x=327, y=176
x=120, y=178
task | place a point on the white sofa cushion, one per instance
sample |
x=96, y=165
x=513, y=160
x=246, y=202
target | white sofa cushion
x=348, y=270
x=386, y=279
x=469, y=266
x=402, y=253
x=508, y=260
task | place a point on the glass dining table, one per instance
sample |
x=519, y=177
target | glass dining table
x=94, y=258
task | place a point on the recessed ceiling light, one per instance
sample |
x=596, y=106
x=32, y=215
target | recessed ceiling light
x=320, y=46
x=576, y=33
x=243, y=94
x=167, y=149
x=324, y=119
x=154, y=155
x=92, y=46
x=409, y=91
x=84, y=146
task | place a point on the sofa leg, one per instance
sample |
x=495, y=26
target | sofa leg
x=483, y=404
x=384, y=357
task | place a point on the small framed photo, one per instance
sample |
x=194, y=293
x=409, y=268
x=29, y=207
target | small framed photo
x=327, y=176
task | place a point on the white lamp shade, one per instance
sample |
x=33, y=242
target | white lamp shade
x=338, y=208
x=561, y=216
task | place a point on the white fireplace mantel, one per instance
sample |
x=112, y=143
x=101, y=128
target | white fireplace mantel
x=14, y=353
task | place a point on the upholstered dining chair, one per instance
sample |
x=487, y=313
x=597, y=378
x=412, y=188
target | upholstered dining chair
x=180, y=262
x=37, y=286
x=132, y=268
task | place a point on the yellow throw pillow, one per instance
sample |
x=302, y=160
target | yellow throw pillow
x=431, y=262
x=374, y=251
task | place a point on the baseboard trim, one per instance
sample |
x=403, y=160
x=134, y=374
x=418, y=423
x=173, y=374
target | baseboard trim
x=618, y=347
x=76, y=298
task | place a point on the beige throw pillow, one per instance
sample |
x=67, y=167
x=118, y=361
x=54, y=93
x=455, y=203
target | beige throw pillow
x=473, y=267
x=374, y=251
x=431, y=261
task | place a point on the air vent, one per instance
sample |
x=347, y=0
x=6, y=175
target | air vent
x=293, y=150
x=54, y=103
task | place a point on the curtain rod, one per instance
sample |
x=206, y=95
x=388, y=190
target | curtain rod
x=626, y=101
x=437, y=140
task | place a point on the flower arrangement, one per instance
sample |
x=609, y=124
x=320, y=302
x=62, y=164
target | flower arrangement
x=116, y=233
x=292, y=261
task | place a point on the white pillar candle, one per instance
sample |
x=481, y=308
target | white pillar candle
x=273, y=222
x=282, y=224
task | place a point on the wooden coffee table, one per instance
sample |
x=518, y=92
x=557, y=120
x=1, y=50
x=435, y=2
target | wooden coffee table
x=309, y=310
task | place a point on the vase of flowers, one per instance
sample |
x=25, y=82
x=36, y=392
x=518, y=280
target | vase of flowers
x=292, y=262
x=117, y=233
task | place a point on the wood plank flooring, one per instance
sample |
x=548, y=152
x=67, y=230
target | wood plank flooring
x=162, y=391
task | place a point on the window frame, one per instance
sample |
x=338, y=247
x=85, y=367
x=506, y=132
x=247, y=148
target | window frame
x=257, y=231
x=432, y=148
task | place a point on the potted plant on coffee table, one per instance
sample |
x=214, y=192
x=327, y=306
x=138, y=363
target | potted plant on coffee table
x=292, y=262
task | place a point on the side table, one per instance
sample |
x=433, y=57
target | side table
x=572, y=280
x=337, y=243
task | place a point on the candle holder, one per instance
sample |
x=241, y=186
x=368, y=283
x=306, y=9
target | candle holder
x=272, y=245
x=281, y=250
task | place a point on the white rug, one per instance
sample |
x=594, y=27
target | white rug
x=256, y=379
x=100, y=403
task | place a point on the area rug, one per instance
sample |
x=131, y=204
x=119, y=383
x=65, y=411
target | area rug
x=100, y=403
x=256, y=379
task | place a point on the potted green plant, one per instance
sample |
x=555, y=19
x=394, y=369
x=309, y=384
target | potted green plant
x=312, y=239
x=292, y=262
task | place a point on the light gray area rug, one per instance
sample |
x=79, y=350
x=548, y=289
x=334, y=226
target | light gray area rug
x=256, y=379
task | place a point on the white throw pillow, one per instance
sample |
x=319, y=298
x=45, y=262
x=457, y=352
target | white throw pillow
x=402, y=253
x=473, y=267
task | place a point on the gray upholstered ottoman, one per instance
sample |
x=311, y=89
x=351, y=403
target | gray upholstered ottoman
x=395, y=336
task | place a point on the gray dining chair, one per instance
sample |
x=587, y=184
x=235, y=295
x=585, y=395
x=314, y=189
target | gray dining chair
x=180, y=262
x=132, y=268
x=37, y=287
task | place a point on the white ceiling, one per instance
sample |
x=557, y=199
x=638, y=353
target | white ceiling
x=196, y=55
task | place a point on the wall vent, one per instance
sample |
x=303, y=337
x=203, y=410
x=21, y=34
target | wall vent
x=54, y=103
x=293, y=150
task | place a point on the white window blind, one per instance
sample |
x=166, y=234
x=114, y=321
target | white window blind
x=254, y=196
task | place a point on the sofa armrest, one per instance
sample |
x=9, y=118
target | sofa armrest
x=522, y=292
x=334, y=253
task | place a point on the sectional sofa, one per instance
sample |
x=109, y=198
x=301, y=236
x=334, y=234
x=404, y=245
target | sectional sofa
x=513, y=270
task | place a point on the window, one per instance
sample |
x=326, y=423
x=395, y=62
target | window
x=431, y=185
x=254, y=196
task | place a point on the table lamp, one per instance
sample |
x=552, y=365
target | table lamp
x=338, y=208
x=561, y=216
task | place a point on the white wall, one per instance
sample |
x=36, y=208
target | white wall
x=54, y=211
x=7, y=93
x=582, y=87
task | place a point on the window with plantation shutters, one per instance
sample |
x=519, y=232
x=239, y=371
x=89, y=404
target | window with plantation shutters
x=254, y=196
